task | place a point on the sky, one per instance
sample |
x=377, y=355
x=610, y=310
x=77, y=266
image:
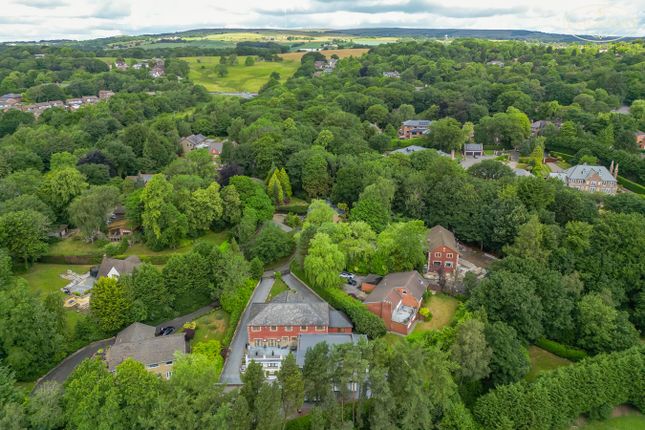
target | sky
x=88, y=19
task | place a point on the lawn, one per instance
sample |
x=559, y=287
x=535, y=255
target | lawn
x=393, y=339
x=45, y=278
x=278, y=287
x=442, y=307
x=542, y=361
x=211, y=326
x=627, y=422
x=203, y=70
x=73, y=246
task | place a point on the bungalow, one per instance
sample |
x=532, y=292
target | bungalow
x=396, y=299
x=474, y=149
x=113, y=267
x=414, y=128
x=443, y=252
x=156, y=353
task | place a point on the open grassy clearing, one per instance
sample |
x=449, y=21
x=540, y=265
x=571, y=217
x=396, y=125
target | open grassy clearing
x=211, y=326
x=442, y=307
x=542, y=361
x=203, y=71
x=74, y=246
x=45, y=278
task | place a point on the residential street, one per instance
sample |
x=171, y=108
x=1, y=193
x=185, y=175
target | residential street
x=231, y=372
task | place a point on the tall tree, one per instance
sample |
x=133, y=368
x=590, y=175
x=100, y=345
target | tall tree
x=110, y=305
x=471, y=351
x=324, y=262
x=23, y=234
x=90, y=210
x=291, y=385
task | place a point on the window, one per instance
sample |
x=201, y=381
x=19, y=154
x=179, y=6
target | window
x=303, y=328
x=152, y=366
x=288, y=328
x=169, y=363
x=285, y=338
x=255, y=328
x=258, y=342
x=274, y=328
x=448, y=263
x=168, y=374
x=293, y=338
x=320, y=328
x=437, y=254
x=449, y=255
x=436, y=263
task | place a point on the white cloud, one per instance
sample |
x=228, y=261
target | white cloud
x=85, y=19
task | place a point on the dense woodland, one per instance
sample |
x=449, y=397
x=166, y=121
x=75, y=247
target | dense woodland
x=570, y=272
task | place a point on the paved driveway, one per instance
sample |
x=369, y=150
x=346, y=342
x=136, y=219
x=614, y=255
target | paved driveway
x=306, y=292
x=61, y=372
x=231, y=372
x=181, y=320
x=469, y=160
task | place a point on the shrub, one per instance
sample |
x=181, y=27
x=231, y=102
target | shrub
x=561, y=350
x=292, y=220
x=631, y=186
x=115, y=248
x=425, y=313
x=298, y=209
x=233, y=302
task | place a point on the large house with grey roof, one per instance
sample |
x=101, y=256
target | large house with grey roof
x=396, y=299
x=594, y=179
x=414, y=128
x=138, y=341
x=113, y=267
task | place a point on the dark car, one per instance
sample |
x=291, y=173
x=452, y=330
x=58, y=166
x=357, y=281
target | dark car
x=165, y=331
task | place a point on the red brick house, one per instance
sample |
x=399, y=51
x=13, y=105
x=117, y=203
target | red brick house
x=414, y=128
x=278, y=323
x=640, y=139
x=396, y=299
x=443, y=252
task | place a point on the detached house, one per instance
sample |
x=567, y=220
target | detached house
x=396, y=299
x=274, y=328
x=640, y=139
x=443, y=252
x=156, y=353
x=199, y=141
x=113, y=268
x=590, y=178
x=414, y=128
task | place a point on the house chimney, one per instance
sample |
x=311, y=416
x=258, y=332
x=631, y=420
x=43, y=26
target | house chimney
x=616, y=171
x=611, y=168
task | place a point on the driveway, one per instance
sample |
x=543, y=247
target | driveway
x=555, y=168
x=61, y=372
x=306, y=292
x=469, y=160
x=231, y=372
x=181, y=320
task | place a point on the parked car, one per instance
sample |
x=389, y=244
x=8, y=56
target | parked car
x=346, y=275
x=165, y=331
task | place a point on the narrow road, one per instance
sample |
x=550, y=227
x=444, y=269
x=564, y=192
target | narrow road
x=61, y=372
x=231, y=372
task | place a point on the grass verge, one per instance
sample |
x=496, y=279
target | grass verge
x=542, y=361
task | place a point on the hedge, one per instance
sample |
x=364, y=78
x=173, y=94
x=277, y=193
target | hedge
x=559, y=396
x=561, y=350
x=364, y=321
x=565, y=157
x=234, y=301
x=298, y=209
x=631, y=186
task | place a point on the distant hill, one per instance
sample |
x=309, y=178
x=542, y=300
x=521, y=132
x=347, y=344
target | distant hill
x=458, y=33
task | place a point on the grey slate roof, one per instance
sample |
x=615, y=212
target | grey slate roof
x=195, y=139
x=582, y=171
x=126, y=266
x=409, y=149
x=417, y=123
x=135, y=332
x=154, y=350
x=473, y=147
x=338, y=319
x=308, y=341
x=268, y=314
x=521, y=172
x=440, y=236
x=412, y=282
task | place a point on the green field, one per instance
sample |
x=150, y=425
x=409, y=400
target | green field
x=628, y=422
x=203, y=71
x=542, y=361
